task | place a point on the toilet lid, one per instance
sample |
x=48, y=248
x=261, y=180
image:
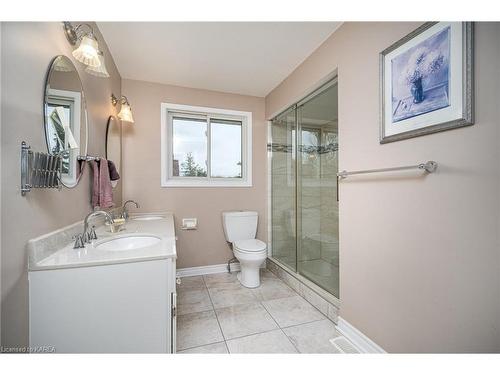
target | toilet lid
x=250, y=246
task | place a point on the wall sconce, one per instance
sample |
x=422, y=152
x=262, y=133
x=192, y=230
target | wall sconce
x=125, y=113
x=88, y=49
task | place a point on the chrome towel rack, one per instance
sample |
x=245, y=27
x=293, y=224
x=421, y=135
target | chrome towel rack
x=428, y=167
x=39, y=169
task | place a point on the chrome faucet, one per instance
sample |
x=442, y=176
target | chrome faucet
x=89, y=235
x=125, y=214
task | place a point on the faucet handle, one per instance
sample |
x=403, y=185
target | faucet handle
x=86, y=236
x=79, y=242
x=92, y=234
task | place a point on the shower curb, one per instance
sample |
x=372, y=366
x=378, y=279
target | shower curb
x=326, y=303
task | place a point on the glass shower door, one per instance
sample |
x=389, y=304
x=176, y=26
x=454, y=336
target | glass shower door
x=283, y=188
x=317, y=193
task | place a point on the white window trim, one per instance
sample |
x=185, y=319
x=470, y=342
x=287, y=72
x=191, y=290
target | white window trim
x=74, y=100
x=166, y=155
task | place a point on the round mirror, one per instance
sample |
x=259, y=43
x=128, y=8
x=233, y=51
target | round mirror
x=113, y=145
x=65, y=118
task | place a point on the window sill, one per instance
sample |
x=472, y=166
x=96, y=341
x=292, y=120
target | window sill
x=211, y=183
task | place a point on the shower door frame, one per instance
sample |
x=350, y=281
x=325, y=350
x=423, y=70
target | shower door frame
x=325, y=84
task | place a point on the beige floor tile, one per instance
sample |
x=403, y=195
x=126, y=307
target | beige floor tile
x=244, y=320
x=193, y=300
x=292, y=311
x=217, y=348
x=266, y=274
x=218, y=278
x=267, y=342
x=191, y=282
x=248, y=317
x=272, y=288
x=313, y=337
x=197, y=329
x=230, y=294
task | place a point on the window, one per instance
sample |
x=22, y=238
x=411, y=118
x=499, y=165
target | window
x=70, y=103
x=189, y=147
x=205, y=146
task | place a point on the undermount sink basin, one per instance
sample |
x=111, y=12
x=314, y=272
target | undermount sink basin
x=128, y=243
x=147, y=218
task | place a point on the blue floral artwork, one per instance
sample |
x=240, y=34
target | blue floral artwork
x=420, y=77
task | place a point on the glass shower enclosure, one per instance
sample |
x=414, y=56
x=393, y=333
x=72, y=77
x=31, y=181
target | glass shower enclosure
x=304, y=191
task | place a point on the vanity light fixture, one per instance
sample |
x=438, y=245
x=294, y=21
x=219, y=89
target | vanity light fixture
x=125, y=113
x=88, y=50
x=98, y=71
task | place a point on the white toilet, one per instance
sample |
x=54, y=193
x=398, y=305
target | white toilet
x=240, y=228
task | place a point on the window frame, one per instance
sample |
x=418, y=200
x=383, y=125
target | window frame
x=73, y=100
x=168, y=111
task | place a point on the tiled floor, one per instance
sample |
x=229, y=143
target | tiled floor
x=218, y=315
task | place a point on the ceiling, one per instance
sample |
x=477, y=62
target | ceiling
x=249, y=58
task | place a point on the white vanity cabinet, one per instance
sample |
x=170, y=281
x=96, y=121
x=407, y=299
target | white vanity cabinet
x=96, y=301
x=119, y=308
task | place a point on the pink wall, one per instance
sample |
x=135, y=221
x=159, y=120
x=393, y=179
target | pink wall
x=141, y=174
x=27, y=49
x=419, y=256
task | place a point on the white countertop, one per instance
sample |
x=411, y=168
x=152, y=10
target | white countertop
x=55, y=250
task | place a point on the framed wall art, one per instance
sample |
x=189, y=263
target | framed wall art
x=427, y=81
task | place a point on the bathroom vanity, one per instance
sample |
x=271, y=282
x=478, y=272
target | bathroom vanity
x=115, y=295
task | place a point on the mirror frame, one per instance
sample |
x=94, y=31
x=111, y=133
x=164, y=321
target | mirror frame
x=83, y=150
x=108, y=125
x=112, y=119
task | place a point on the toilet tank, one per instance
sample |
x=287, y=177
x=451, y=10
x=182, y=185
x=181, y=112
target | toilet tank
x=239, y=225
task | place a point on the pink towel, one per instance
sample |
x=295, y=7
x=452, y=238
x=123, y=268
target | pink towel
x=113, y=173
x=95, y=183
x=102, y=191
x=105, y=188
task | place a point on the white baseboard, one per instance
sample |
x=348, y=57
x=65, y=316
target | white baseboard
x=362, y=342
x=206, y=270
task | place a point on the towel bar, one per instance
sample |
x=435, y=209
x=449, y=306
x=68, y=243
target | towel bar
x=88, y=158
x=429, y=167
x=39, y=169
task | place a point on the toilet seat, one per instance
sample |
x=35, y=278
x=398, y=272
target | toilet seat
x=250, y=246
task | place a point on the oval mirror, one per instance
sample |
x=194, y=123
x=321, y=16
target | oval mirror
x=65, y=114
x=113, y=145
